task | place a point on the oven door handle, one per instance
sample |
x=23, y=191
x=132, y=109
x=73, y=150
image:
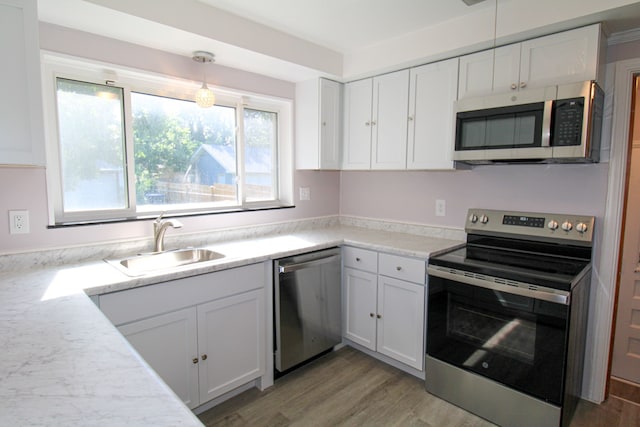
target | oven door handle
x=545, y=294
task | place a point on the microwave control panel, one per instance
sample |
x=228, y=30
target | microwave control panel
x=567, y=122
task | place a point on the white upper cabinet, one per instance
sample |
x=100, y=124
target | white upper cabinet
x=432, y=92
x=21, y=121
x=357, y=125
x=375, y=124
x=389, y=120
x=566, y=57
x=318, y=124
x=561, y=58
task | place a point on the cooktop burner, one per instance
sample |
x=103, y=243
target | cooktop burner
x=548, y=250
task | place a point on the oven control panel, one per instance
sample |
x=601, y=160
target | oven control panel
x=545, y=226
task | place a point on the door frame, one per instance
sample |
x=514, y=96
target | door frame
x=605, y=281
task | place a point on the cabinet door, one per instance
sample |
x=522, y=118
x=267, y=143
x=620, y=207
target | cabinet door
x=506, y=76
x=359, y=305
x=21, y=119
x=389, y=124
x=231, y=341
x=168, y=343
x=357, y=125
x=330, y=124
x=476, y=74
x=433, y=91
x=567, y=57
x=401, y=325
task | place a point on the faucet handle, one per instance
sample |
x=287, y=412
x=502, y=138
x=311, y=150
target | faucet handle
x=159, y=219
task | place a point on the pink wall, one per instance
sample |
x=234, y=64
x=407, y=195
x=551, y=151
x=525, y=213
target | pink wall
x=411, y=196
x=25, y=188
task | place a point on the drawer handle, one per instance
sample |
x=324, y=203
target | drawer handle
x=195, y=360
x=398, y=268
x=204, y=357
x=357, y=259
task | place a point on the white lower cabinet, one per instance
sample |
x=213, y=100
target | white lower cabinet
x=401, y=320
x=168, y=343
x=230, y=343
x=382, y=313
x=204, y=335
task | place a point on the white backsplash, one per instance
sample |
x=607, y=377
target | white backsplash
x=118, y=249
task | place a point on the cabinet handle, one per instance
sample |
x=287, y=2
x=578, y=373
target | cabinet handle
x=194, y=360
x=204, y=357
x=324, y=123
x=373, y=122
x=398, y=268
x=410, y=118
x=357, y=259
x=523, y=84
x=367, y=123
x=371, y=315
x=379, y=316
x=514, y=86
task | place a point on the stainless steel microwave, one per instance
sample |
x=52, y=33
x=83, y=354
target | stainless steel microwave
x=556, y=124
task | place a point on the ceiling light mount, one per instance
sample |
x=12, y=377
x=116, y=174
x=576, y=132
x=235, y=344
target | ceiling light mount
x=203, y=57
x=205, y=97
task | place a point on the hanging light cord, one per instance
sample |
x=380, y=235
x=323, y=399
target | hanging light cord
x=495, y=36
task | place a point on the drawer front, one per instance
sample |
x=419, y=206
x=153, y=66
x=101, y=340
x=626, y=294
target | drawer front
x=409, y=269
x=147, y=301
x=362, y=259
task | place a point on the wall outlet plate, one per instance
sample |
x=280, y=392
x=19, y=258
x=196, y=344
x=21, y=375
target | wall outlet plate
x=19, y=222
x=440, y=207
x=305, y=193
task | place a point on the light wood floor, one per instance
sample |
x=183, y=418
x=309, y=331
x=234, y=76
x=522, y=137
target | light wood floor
x=349, y=388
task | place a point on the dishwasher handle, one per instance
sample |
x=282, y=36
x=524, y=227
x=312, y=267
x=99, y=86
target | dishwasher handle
x=288, y=268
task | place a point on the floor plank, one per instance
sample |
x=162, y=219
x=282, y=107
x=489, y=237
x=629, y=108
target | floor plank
x=348, y=388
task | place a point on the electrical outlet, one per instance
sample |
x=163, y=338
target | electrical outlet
x=305, y=193
x=19, y=222
x=440, y=207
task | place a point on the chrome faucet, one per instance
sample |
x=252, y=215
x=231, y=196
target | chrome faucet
x=160, y=228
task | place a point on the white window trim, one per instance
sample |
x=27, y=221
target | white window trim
x=56, y=65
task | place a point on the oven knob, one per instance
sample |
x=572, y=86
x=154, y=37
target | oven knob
x=484, y=219
x=567, y=226
x=581, y=227
x=473, y=218
x=553, y=225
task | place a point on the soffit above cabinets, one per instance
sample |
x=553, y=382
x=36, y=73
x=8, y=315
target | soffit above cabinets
x=296, y=40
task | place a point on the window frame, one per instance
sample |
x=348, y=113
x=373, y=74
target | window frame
x=56, y=66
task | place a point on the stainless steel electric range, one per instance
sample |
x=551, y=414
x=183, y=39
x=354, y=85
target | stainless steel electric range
x=507, y=317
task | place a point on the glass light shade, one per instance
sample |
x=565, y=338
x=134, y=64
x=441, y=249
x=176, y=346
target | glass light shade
x=205, y=97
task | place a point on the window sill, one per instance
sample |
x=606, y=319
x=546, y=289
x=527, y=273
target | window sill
x=166, y=215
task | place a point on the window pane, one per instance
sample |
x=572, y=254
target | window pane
x=92, y=149
x=260, y=134
x=184, y=154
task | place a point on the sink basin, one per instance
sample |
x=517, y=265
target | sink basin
x=149, y=263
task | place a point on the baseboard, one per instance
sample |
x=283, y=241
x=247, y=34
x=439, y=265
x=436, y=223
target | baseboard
x=623, y=389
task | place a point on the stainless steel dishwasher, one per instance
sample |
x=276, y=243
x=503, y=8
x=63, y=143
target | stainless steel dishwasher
x=307, y=306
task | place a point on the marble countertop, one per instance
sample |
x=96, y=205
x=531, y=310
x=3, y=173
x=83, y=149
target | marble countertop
x=64, y=363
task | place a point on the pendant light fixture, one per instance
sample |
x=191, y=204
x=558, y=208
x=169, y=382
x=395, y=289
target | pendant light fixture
x=204, y=96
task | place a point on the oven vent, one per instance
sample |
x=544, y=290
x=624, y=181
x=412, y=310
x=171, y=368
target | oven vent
x=506, y=282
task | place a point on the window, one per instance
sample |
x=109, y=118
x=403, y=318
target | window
x=140, y=146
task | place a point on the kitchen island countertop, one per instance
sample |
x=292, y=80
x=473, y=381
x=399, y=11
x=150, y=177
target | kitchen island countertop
x=65, y=364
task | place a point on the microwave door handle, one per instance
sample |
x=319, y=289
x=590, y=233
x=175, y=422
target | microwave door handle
x=546, y=124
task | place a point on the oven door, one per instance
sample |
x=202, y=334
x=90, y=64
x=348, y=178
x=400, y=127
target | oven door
x=499, y=331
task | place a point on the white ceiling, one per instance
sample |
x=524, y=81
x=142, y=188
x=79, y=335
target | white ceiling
x=344, y=39
x=348, y=25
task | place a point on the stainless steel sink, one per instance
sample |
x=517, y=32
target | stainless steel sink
x=149, y=263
